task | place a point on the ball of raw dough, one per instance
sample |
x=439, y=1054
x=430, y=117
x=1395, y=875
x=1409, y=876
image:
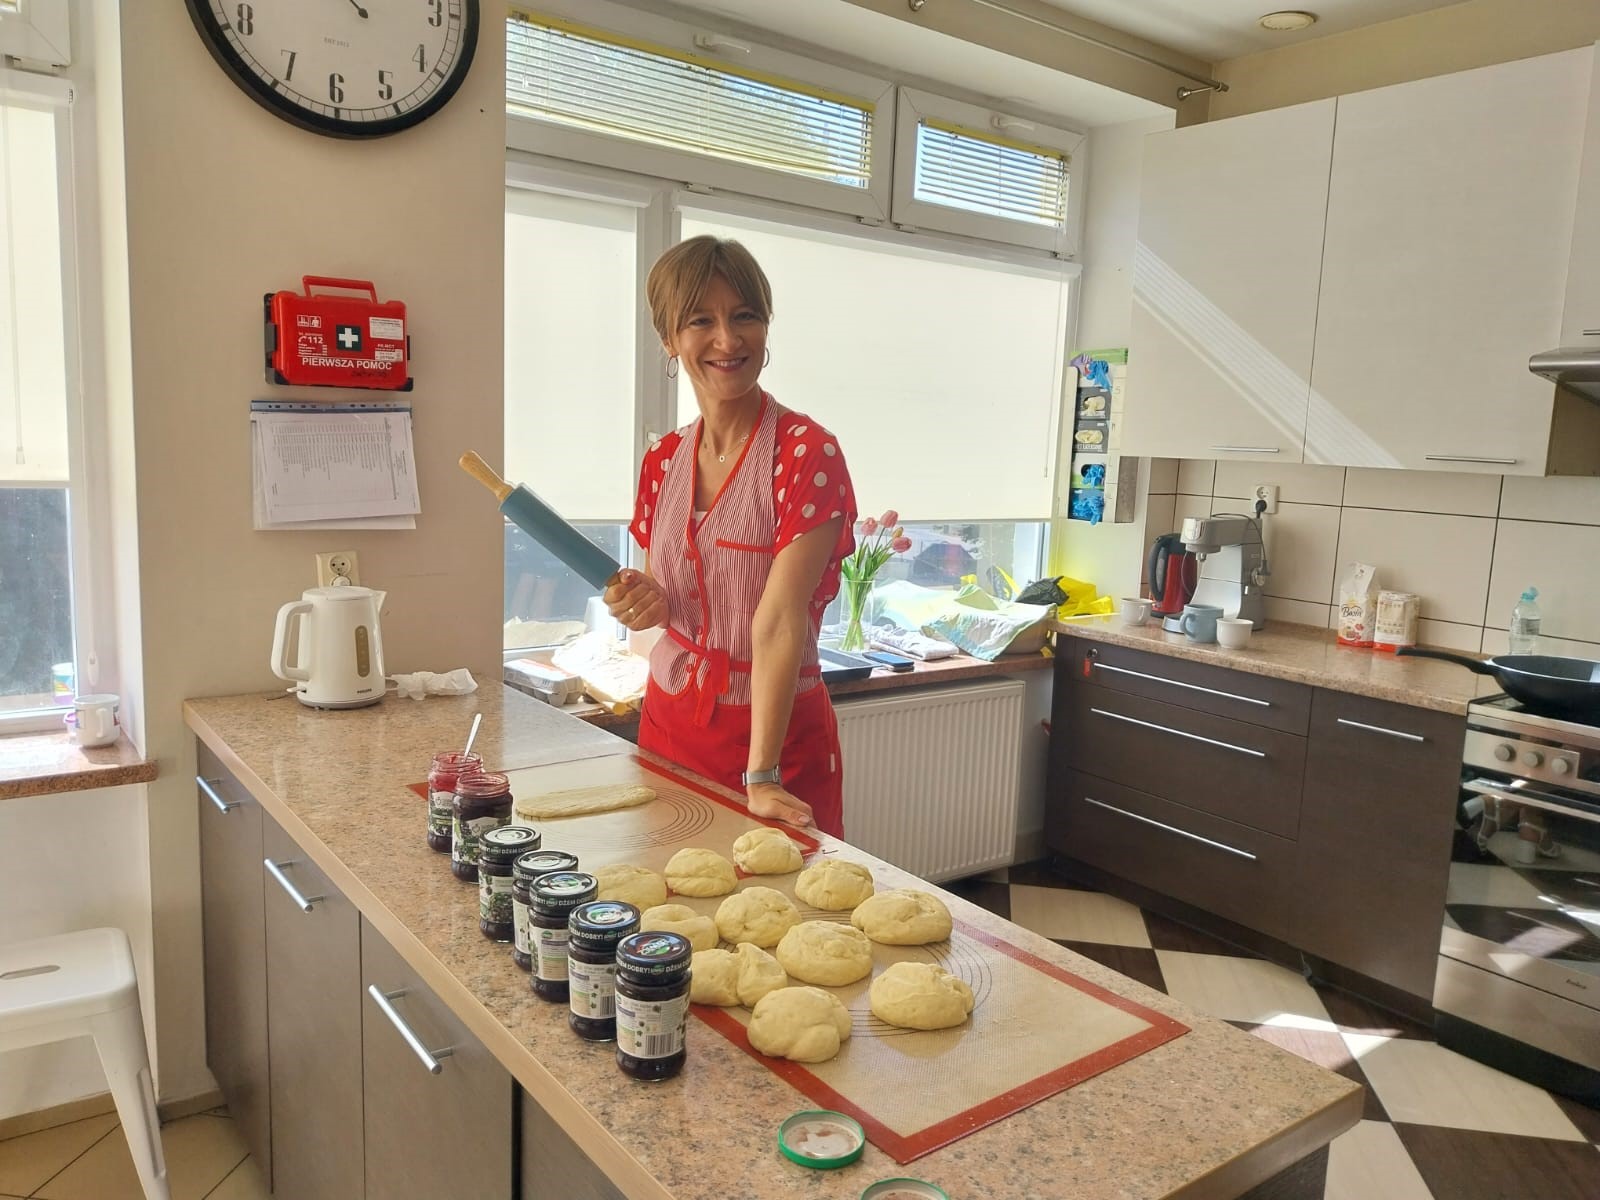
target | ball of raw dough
x=825, y=953
x=700, y=873
x=903, y=918
x=638, y=886
x=758, y=914
x=759, y=973
x=700, y=929
x=834, y=886
x=919, y=995
x=766, y=852
x=714, y=978
x=805, y=1024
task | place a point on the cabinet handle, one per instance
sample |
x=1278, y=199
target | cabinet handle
x=303, y=903
x=1532, y=799
x=430, y=1058
x=1194, y=737
x=1193, y=837
x=1591, y=333
x=1394, y=733
x=1248, y=449
x=208, y=786
x=1178, y=683
x=1470, y=458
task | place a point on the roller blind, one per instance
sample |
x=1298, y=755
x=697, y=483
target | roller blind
x=604, y=83
x=33, y=377
x=999, y=177
x=940, y=373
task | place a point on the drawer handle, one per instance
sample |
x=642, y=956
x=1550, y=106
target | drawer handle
x=1194, y=737
x=208, y=786
x=1470, y=458
x=430, y=1058
x=303, y=903
x=1193, y=837
x=1178, y=683
x=1248, y=449
x=1394, y=733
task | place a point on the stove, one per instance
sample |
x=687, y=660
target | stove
x=1518, y=984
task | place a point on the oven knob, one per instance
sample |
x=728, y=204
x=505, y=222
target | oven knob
x=1561, y=765
x=1533, y=758
x=1504, y=752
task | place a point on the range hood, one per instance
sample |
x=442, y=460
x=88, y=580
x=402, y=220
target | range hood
x=1576, y=368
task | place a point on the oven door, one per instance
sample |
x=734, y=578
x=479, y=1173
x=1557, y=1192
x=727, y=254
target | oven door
x=1524, y=893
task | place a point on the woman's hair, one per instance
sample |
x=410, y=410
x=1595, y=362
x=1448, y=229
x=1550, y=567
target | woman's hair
x=680, y=277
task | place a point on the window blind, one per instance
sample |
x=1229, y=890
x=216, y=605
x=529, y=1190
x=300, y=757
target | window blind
x=995, y=176
x=603, y=83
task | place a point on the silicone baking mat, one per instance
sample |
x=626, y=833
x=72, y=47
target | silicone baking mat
x=1036, y=1029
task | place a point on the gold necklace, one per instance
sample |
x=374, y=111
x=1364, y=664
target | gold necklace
x=723, y=457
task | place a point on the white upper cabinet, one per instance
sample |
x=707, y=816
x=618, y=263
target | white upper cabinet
x=1580, y=326
x=1225, y=286
x=1449, y=226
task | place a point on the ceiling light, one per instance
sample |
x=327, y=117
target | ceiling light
x=1288, y=21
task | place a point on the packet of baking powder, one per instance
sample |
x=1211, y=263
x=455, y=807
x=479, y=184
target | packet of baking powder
x=1397, y=621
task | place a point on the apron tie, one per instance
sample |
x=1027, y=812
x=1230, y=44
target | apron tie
x=711, y=681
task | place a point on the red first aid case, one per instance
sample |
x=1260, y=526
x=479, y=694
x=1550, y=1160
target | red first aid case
x=337, y=340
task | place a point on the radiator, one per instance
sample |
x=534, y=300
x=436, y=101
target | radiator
x=931, y=776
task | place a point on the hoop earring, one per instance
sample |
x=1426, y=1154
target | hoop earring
x=767, y=361
x=672, y=367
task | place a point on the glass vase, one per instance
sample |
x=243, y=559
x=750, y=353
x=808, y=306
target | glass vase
x=856, y=592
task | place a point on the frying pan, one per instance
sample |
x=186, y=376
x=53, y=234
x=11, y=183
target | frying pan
x=1570, y=685
x=586, y=559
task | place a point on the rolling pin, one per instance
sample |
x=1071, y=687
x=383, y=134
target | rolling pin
x=549, y=527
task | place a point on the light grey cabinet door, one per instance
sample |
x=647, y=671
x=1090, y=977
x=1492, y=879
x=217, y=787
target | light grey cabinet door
x=553, y=1168
x=438, y=1106
x=235, y=951
x=313, y=1025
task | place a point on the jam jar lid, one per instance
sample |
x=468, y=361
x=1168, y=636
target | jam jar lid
x=531, y=864
x=903, y=1189
x=502, y=844
x=601, y=924
x=653, y=957
x=821, y=1139
x=485, y=784
x=563, y=890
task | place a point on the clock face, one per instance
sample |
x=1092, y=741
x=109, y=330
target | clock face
x=347, y=68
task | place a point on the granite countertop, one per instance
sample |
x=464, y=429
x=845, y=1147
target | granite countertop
x=1306, y=654
x=43, y=764
x=1203, y=1117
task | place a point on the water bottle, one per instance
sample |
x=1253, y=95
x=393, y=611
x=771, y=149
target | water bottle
x=1524, y=628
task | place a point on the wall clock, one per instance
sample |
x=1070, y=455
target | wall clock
x=345, y=68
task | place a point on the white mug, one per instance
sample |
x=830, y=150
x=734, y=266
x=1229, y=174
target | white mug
x=1134, y=610
x=96, y=720
x=1234, y=633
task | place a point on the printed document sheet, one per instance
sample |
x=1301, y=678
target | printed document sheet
x=316, y=467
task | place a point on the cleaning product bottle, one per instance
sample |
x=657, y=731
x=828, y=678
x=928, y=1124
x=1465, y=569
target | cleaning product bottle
x=1524, y=628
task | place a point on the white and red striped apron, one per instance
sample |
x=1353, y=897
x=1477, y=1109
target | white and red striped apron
x=697, y=704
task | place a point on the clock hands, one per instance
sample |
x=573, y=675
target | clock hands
x=356, y=5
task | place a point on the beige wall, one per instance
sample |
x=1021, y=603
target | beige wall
x=226, y=202
x=1454, y=38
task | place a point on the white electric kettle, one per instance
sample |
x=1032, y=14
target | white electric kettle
x=339, y=659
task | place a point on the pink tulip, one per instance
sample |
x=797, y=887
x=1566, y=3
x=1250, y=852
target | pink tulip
x=868, y=526
x=900, y=545
x=890, y=519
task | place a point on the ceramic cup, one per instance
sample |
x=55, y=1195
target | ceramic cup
x=95, y=720
x=1234, y=633
x=1134, y=610
x=1200, y=622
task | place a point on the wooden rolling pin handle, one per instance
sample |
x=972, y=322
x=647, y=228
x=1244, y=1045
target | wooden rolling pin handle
x=486, y=475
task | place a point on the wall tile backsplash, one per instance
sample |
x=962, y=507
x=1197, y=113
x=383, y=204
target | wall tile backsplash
x=1467, y=544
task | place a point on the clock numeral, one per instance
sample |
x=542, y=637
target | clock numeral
x=289, y=74
x=436, y=13
x=421, y=58
x=246, y=23
x=385, y=91
x=335, y=92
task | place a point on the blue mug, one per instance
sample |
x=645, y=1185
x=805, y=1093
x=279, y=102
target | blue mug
x=1200, y=622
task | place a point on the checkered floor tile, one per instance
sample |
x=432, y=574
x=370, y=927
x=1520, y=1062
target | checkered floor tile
x=1436, y=1126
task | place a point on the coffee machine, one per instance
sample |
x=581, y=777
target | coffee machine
x=1233, y=564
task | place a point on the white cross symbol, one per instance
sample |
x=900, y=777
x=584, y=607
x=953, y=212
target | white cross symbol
x=348, y=338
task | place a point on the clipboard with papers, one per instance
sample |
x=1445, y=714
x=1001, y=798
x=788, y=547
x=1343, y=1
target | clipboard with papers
x=332, y=467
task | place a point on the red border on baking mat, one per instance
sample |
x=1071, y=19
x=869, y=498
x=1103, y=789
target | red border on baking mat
x=904, y=1148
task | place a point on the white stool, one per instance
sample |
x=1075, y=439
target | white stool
x=56, y=988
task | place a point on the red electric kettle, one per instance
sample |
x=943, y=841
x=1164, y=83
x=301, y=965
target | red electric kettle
x=1174, y=574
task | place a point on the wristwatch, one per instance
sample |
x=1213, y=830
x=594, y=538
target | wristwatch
x=775, y=775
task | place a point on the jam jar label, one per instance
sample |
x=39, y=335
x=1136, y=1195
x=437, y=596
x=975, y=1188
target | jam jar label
x=651, y=1028
x=552, y=948
x=464, y=836
x=440, y=815
x=494, y=898
x=519, y=926
x=594, y=988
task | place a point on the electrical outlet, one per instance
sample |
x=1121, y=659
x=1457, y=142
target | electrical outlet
x=1267, y=492
x=336, y=565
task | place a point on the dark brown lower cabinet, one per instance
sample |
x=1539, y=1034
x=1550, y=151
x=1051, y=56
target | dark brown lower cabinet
x=553, y=1168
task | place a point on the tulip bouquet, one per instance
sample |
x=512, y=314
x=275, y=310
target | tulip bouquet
x=877, y=540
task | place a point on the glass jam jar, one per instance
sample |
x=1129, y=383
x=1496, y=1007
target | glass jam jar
x=593, y=931
x=553, y=899
x=652, y=1004
x=448, y=766
x=482, y=803
x=525, y=869
x=497, y=850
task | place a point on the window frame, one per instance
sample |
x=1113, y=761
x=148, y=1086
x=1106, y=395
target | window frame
x=912, y=106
